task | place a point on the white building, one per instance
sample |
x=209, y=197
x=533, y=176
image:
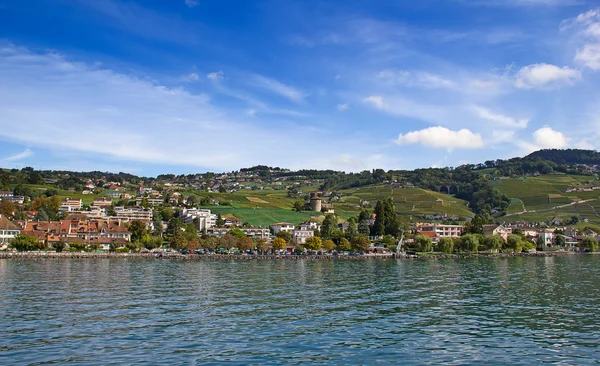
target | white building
x=299, y=236
x=254, y=233
x=283, y=226
x=8, y=231
x=310, y=225
x=74, y=203
x=151, y=201
x=133, y=213
x=205, y=218
x=547, y=237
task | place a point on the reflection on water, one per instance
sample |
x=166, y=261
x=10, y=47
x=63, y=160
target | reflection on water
x=498, y=311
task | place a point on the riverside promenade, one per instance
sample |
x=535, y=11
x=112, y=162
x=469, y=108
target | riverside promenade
x=87, y=255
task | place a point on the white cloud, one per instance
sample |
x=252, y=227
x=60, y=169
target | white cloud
x=191, y=3
x=277, y=87
x=546, y=76
x=376, y=100
x=193, y=76
x=418, y=79
x=442, y=137
x=547, y=138
x=343, y=107
x=217, y=75
x=589, y=56
x=588, y=28
x=22, y=155
x=500, y=118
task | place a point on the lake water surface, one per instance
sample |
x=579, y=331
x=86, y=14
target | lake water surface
x=142, y=311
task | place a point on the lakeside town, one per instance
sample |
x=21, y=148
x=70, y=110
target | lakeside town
x=156, y=222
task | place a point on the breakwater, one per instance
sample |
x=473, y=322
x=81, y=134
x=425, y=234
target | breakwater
x=86, y=255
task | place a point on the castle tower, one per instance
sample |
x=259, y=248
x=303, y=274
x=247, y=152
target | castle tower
x=315, y=203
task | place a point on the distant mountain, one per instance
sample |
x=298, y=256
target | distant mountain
x=568, y=156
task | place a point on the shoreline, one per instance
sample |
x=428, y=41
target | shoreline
x=72, y=255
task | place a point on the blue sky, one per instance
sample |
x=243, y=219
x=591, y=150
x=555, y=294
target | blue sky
x=183, y=86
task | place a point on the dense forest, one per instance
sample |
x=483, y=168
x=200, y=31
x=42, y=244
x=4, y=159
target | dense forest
x=568, y=156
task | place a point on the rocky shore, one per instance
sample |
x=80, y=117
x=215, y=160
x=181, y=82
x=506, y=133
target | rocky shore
x=83, y=255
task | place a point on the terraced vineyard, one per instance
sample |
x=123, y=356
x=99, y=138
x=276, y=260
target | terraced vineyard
x=544, y=197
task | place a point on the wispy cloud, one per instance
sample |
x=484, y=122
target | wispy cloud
x=498, y=118
x=217, y=75
x=20, y=156
x=44, y=93
x=191, y=3
x=277, y=87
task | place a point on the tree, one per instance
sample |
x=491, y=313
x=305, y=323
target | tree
x=590, y=243
x=237, y=233
x=423, y=243
x=379, y=226
x=245, y=243
x=363, y=227
x=137, y=229
x=559, y=240
x=313, y=243
x=59, y=246
x=343, y=245
x=364, y=215
x=574, y=219
x=361, y=243
x=7, y=208
x=470, y=243
x=133, y=246
x=174, y=226
x=493, y=243
x=445, y=245
x=475, y=226
x=352, y=230
x=24, y=243
x=279, y=244
x=540, y=243
x=153, y=243
x=329, y=245
x=297, y=206
x=167, y=214
x=262, y=245
x=328, y=226
x=285, y=235
x=220, y=221
x=42, y=215
x=77, y=247
x=193, y=200
x=515, y=243
x=228, y=241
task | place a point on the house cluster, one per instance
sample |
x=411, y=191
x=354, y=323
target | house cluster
x=299, y=233
x=9, y=196
x=74, y=229
x=582, y=189
x=546, y=235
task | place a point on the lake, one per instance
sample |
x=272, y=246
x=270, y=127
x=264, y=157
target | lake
x=143, y=311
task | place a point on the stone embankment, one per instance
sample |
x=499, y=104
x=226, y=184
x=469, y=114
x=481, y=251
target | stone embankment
x=83, y=255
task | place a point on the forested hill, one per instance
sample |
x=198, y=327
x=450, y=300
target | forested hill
x=568, y=156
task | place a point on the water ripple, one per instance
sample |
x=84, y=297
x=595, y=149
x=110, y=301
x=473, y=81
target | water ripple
x=473, y=311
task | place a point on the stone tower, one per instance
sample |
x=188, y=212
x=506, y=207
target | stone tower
x=315, y=203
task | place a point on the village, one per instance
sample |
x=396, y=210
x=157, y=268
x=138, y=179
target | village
x=103, y=226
